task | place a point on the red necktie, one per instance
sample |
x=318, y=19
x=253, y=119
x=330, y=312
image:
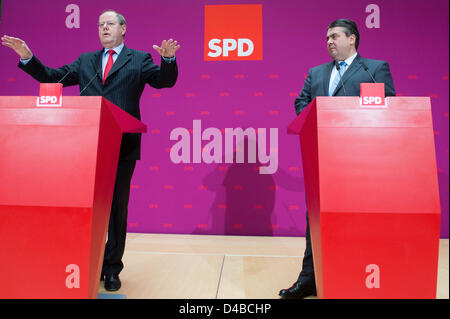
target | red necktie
x=108, y=65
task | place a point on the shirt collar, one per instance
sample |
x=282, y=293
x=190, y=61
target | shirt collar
x=350, y=59
x=117, y=49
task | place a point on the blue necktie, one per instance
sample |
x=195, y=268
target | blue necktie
x=337, y=78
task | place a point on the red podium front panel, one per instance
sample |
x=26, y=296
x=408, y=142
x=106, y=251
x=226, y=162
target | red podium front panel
x=372, y=196
x=57, y=173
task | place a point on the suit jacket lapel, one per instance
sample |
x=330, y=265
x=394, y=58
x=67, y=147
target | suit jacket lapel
x=355, y=66
x=326, y=78
x=123, y=58
x=97, y=63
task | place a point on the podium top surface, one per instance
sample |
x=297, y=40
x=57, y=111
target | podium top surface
x=74, y=111
x=353, y=103
x=77, y=102
x=348, y=112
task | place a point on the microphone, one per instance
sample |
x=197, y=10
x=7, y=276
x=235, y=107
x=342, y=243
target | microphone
x=89, y=83
x=68, y=72
x=338, y=67
x=367, y=70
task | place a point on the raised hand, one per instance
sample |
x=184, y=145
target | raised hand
x=167, y=49
x=17, y=45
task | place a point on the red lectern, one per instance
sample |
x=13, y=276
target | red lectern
x=372, y=196
x=57, y=173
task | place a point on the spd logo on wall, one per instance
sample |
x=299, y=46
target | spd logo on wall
x=233, y=32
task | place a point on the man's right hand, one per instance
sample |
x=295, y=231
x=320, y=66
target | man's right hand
x=17, y=45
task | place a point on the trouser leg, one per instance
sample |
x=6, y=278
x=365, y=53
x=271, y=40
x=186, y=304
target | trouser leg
x=307, y=272
x=117, y=229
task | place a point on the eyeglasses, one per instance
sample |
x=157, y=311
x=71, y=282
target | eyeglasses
x=109, y=24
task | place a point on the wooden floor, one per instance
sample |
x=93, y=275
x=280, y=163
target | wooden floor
x=223, y=267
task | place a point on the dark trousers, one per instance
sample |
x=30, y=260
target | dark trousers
x=307, y=274
x=117, y=229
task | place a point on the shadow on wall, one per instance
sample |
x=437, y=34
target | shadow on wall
x=245, y=199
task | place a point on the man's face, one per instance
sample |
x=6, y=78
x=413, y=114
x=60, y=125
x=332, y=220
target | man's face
x=340, y=47
x=111, y=33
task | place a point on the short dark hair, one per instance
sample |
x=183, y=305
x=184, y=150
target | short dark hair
x=120, y=17
x=349, y=28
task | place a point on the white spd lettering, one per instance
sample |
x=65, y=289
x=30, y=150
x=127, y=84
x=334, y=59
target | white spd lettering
x=245, y=47
x=369, y=100
x=48, y=99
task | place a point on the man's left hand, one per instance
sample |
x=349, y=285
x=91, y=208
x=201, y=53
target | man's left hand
x=167, y=49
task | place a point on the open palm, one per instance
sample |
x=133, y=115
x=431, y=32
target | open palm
x=18, y=45
x=167, y=48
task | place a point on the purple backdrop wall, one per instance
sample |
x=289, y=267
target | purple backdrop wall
x=221, y=198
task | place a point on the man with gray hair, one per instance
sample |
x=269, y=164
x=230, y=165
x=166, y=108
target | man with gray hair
x=119, y=74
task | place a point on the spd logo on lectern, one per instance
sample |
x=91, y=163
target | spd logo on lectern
x=372, y=95
x=233, y=32
x=50, y=95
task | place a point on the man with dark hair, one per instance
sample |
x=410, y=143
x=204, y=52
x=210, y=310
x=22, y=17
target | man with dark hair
x=341, y=77
x=119, y=74
x=348, y=27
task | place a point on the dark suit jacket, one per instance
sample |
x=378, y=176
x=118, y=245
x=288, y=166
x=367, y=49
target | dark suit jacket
x=318, y=80
x=123, y=86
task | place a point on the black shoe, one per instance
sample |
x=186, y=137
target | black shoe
x=112, y=282
x=298, y=291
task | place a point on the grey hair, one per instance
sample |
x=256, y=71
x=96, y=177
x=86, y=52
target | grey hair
x=120, y=17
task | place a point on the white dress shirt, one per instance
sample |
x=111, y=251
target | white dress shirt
x=334, y=72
